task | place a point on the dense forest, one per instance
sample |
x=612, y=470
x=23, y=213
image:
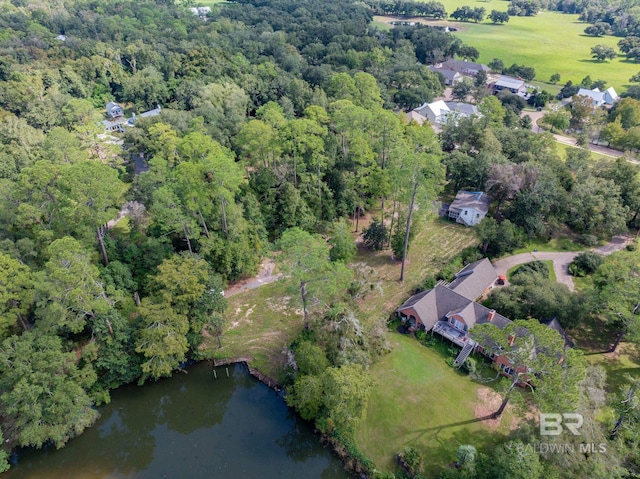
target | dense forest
x=265, y=125
x=279, y=119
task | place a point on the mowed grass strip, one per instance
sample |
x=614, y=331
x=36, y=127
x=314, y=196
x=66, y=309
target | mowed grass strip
x=420, y=401
x=436, y=242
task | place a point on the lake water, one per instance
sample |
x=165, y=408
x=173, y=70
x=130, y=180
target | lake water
x=189, y=426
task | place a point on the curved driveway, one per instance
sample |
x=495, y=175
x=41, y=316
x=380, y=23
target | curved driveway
x=560, y=260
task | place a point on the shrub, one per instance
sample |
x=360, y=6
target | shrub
x=585, y=263
x=470, y=365
x=588, y=240
x=375, y=236
x=421, y=336
x=411, y=460
x=532, y=267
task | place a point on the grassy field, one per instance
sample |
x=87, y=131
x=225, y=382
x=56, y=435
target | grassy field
x=551, y=42
x=625, y=361
x=263, y=321
x=421, y=401
x=260, y=324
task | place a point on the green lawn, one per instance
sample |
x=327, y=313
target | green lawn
x=421, y=401
x=562, y=150
x=626, y=361
x=551, y=42
x=554, y=244
x=260, y=324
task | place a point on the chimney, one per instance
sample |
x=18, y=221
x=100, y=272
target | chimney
x=492, y=314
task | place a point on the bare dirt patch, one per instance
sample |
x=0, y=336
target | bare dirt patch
x=488, y=402
x=281, y=305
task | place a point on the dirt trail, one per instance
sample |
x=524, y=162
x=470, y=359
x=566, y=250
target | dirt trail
x=264, y=276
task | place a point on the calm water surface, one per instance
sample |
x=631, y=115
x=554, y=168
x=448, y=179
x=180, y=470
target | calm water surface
x=189, y=426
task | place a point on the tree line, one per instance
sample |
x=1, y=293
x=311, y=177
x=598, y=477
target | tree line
x=266, y=127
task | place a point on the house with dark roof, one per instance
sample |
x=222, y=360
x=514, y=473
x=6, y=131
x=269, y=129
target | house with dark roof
x=469, y=208
x=450, y=310
x=451, y=77
x=463, y=67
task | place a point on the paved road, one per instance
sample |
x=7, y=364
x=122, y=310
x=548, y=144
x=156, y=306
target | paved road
x=601, y=150
x=560, y=260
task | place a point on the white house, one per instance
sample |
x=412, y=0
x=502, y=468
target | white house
x=599, y=98
x=469, y=207
x=451, y=77
x=118, y=122
x=440, y=112
x=436, y=112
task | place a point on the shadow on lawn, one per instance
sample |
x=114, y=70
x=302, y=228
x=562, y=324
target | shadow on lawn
x=455, y=424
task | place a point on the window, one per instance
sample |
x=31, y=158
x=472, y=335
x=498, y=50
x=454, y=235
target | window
x=477, y=215
x=465, y=212
x=458, y=324
x=506, y=369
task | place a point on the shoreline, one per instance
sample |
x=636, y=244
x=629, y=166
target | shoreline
x=350, y=463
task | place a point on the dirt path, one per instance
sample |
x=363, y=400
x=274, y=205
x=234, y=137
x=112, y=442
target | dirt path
x=560, y=260
x=264, y=276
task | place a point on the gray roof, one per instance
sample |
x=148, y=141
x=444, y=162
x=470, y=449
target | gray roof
x=554, y=324
x=449, y=75
x=113, y=109
x=464, y=108
x=471, y=199
x=434, y=305
x=472, y=280
x=154, y=112
x=510, y=82
x=464, y=66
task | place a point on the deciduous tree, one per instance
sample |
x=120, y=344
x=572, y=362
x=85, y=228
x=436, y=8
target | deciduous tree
x=535, y=356
x=43, y=393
